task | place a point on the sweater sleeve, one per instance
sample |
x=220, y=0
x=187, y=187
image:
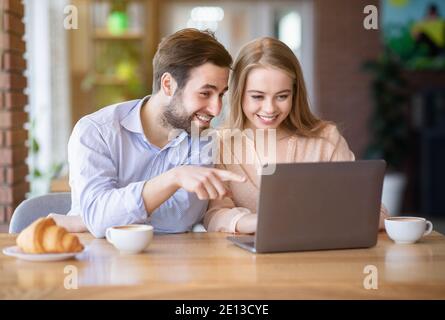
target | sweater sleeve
x=223, y=215
x=341, y=150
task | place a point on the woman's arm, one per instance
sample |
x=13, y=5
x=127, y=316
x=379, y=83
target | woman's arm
x=223, y=216
x=247, y=223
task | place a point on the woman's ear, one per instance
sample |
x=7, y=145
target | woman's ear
x=168, y=84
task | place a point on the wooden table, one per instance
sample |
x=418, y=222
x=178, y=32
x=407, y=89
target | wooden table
x=207, y=266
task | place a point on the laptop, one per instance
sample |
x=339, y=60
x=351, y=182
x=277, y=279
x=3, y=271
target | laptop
x=318, y=206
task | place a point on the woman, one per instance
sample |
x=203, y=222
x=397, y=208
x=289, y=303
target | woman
x=267, y=91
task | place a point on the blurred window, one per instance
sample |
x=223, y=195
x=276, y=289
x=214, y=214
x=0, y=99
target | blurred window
x=289, y=30
x=205, y=18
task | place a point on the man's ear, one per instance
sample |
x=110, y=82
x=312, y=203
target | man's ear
x=168, y=84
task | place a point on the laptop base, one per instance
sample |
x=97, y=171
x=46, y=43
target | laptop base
x=245, y=242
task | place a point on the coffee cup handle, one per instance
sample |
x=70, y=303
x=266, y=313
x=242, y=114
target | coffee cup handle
x=429, y=228
x=108, y=235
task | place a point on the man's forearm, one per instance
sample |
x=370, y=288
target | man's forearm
x=157, y=190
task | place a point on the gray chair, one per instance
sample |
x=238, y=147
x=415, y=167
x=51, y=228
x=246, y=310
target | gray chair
x=32, y=209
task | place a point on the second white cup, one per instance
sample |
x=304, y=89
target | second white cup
x=407, y=230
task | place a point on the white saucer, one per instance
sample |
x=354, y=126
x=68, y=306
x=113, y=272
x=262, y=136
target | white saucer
x=15, y=251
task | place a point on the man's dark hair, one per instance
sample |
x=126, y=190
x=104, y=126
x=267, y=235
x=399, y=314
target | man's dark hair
x=184, y=50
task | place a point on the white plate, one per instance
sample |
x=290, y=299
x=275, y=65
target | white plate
x=15, y=251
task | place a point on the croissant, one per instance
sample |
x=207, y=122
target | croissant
x=44, y=236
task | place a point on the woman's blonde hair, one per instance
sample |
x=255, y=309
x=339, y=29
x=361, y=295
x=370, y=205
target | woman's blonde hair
x=270, y=52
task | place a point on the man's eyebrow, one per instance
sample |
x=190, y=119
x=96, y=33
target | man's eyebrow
x=209, y=86
x=213, y=87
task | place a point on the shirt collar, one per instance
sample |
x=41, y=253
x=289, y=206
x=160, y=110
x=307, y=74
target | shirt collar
x=132, y=121
x=178, y=139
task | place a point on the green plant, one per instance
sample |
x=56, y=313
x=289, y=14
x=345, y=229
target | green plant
x=117, y=22
x=389, y=127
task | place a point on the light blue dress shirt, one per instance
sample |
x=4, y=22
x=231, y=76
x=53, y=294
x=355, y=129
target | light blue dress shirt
x=109, y=161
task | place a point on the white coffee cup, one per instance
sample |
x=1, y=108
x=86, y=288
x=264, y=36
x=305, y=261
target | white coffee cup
x=130, y=239
x=406, y=230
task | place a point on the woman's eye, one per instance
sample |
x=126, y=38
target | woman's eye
x=204, y=94
x=283, y=97
x=257, y=97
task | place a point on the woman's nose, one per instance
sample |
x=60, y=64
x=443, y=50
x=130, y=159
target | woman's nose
x=268, y=107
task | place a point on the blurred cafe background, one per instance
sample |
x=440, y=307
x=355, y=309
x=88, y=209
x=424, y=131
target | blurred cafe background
x=384, y=86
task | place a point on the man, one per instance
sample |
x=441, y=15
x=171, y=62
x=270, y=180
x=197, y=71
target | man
x=120, y=157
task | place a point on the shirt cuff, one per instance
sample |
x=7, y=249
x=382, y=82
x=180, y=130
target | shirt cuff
x=134, y=202
x=236, y=218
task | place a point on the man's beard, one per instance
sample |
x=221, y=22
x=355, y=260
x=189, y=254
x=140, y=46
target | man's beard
x=175, y=115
